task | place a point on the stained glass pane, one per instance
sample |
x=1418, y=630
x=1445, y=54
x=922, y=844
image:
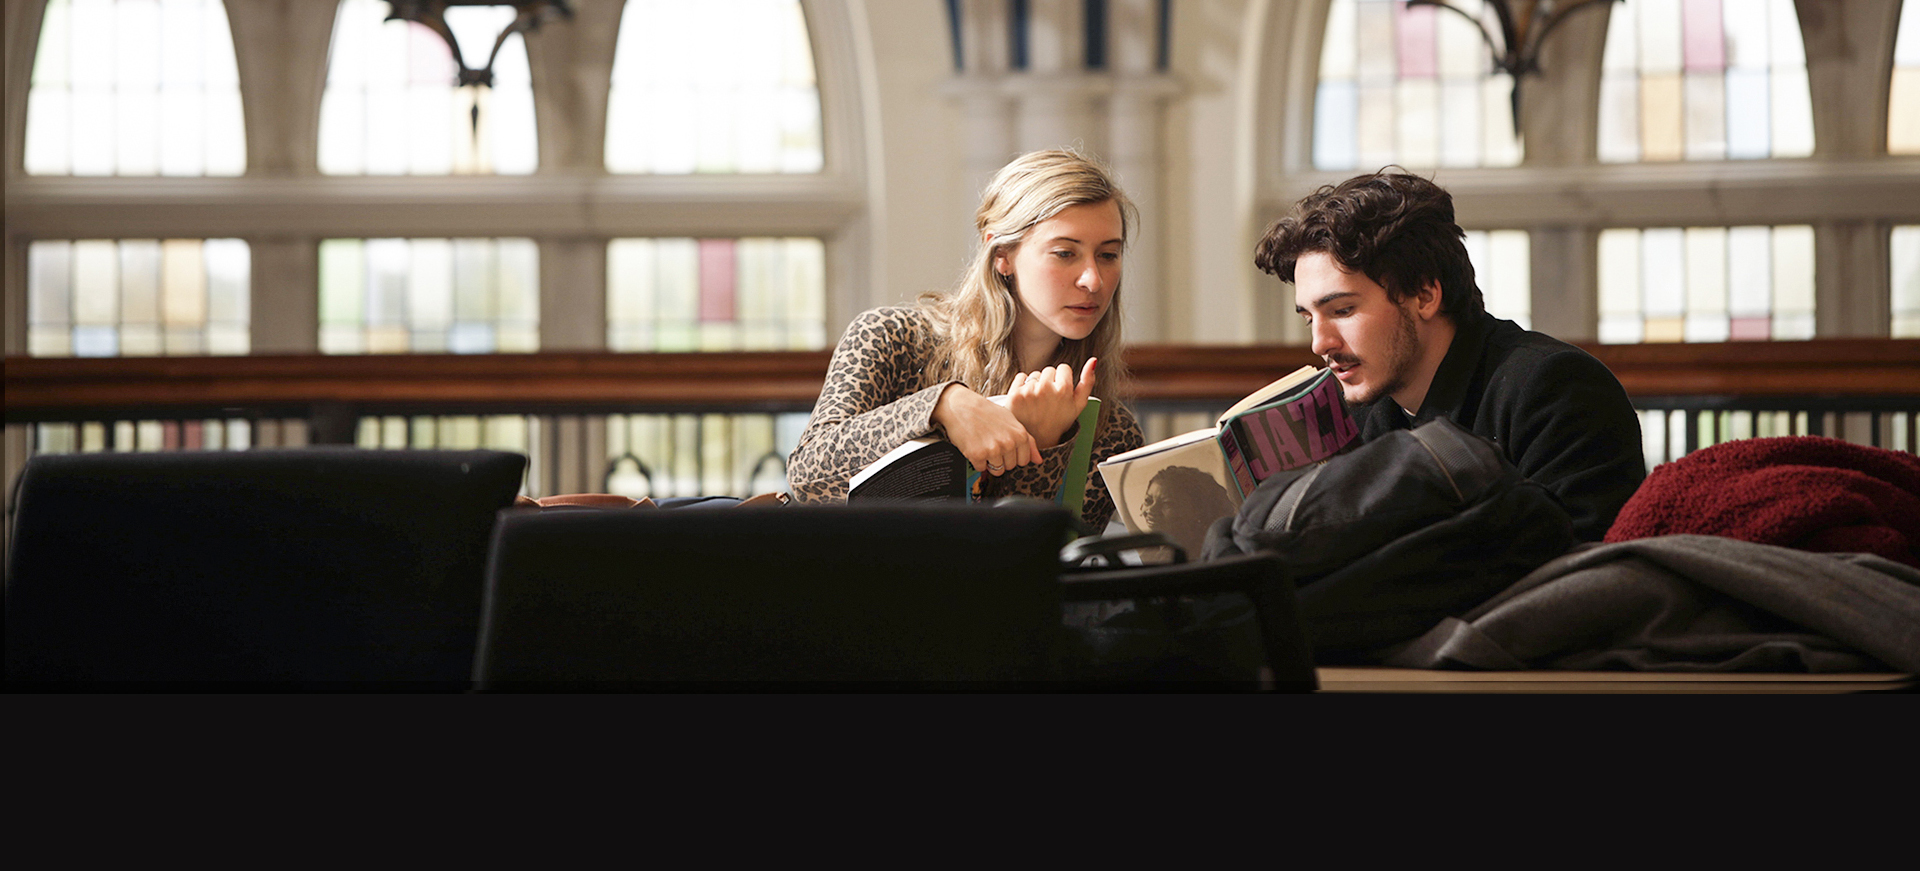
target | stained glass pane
x=1410, y=85
x=1620, y=318
x=1903, y=93
x=1706, y=284
x=135, y=87
x=1502, y=267
x=724, y=86
x=1337, y=59
x=138, y=297
x=400, y=296
x=753, y=294
x=1335, y=122
x=392, y=106
x=1704, y=80
x=1905, y=256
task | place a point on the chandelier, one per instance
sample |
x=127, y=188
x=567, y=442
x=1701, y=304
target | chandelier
x=1524, y=25
x=528, y=15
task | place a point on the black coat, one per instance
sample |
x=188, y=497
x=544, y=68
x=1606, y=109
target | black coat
x=1555, y=411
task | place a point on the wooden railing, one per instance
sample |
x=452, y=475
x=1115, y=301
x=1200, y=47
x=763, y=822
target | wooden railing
x=570, y=410
x=1875, y=372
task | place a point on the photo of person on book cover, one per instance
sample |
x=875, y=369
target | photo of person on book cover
x=1182, y=502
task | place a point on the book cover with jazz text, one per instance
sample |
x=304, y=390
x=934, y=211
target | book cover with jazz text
x=1178, y=486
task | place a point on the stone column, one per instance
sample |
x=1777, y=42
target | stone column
x=571, y=62
x=1849, y=51
x=285, y=291
x=1561, y=130
x=280, y=49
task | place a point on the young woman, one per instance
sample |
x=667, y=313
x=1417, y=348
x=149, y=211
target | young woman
x=1036, y=316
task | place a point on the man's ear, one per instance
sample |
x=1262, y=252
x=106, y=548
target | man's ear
x=1426, y=303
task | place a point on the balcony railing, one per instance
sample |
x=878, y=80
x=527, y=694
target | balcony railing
x=686, y=424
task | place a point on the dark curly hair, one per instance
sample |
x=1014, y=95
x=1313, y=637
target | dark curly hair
x=1395, y=227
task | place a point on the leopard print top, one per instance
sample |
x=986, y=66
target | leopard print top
x=878, y=395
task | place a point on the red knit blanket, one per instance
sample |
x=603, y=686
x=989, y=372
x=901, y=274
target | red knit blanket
x=1805, y=492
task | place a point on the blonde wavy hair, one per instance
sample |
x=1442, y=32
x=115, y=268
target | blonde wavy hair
x=973, y=323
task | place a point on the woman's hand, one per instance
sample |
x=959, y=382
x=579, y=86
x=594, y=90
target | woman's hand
x=992, y=439
x=1047, y=402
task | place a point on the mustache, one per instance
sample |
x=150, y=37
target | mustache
x=1341, y=359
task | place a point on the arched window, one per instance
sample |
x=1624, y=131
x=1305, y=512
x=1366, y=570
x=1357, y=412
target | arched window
x=716, y=86
x=1704, y=80
x=1410, y=85
x=726, y=86
x=134, y=87
x=391, y=106
x=1903, y=93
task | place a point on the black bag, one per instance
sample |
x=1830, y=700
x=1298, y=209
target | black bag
x=1390, y=538
x=1211, y=638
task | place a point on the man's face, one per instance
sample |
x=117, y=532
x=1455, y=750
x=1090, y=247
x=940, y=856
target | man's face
x=1371, y=343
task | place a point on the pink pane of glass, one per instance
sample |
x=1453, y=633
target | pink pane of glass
x=716, y=280
x=1752, y=329
x=1703, y=42
x=1417, y=42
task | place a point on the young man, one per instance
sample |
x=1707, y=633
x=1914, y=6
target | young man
x=1381, y=275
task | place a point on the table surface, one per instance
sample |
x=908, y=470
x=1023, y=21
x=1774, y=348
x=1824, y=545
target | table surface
x=1417, y=680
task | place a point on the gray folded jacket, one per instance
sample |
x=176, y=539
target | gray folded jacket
x=1693, y=603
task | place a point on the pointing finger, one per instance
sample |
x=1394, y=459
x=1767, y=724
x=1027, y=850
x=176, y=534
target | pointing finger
x=1086, y=379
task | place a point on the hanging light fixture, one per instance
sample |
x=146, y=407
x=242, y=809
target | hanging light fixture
x=528, y=16
x=1524, y=25
x=432, y=14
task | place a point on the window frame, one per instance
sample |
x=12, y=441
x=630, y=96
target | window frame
x=283, y=206
x=1850, y=190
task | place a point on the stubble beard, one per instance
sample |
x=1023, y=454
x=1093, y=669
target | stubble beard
x=1396, y=367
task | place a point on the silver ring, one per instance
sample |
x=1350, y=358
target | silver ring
x=994, y=467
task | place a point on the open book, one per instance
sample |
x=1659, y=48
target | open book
x=1180, y=485
x=932, y=468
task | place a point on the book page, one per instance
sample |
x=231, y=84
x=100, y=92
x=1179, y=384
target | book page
x=918, y=467
x=1279, y=386
x=1178, y=492
x=1165, y=444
